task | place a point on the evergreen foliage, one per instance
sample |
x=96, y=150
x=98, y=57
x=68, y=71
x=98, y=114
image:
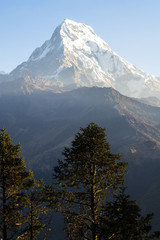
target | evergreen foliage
x=88, y=173
x=36, y=216
x=122, y=220
x=15, y=180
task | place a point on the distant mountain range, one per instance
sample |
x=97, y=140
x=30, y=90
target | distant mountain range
x=45, y=122
x=2, y=73
x=74, y=79
x=75, y=57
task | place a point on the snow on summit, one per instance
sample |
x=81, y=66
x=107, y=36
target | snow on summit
x=77, y=34
x=75, y=56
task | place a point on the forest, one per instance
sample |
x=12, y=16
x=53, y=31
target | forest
x=88, y=188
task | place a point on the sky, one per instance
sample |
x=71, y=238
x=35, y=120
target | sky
x=130, y=27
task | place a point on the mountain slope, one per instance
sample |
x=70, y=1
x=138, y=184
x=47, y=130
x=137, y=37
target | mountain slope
x=74, y=57
x=46, y=122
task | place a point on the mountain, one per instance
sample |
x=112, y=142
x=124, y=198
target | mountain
x=2, y=73
x=74, y=57
x=45, y=122
x=4, y=76
x=153, y=101
x=45, y=100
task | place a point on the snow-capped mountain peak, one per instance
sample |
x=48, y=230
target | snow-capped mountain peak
x=79, y=34
x=72, y=36
x=75, y=56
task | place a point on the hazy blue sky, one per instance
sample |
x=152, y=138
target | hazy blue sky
x=130, y=27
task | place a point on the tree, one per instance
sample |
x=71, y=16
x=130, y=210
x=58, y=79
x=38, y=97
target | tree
x=122, y=220
x=36, y=217
x=88, y=173
x=15, y=180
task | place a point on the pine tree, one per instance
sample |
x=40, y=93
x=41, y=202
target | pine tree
x=87, y=174
x=122, y=220
x=15, y=180
x=37, y=213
